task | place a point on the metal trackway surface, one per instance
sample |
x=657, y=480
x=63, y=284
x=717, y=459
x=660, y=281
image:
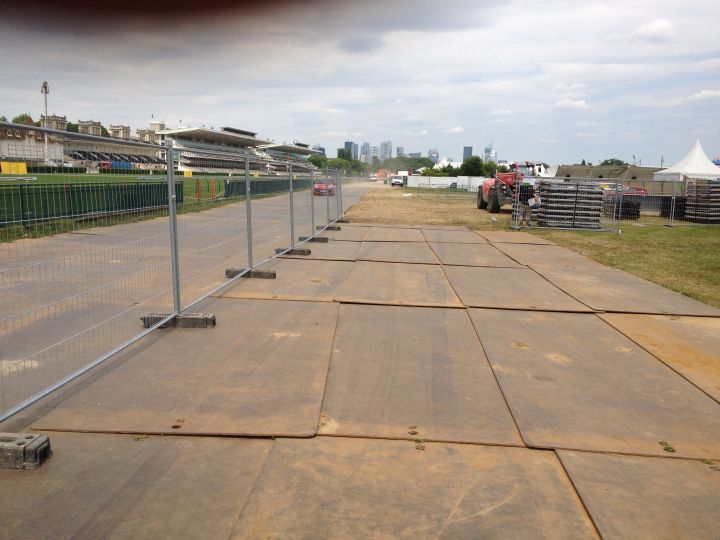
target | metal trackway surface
x=647, y=498
x=622, y=436
x=688, y=345
x=601, y=287
x=402, y=252
x=261, y=371
x=574, y=382
x=396, y=367
x=328, y=488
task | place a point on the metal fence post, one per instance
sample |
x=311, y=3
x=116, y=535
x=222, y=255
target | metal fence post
x=292, y=209
x=338, y=177
x=617, y=207
x=327, y=197
x=340, y=186
x=312, y=204
x=248, y=213
x=172, y=214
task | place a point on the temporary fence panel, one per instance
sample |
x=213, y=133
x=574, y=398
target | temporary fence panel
x=76, y=284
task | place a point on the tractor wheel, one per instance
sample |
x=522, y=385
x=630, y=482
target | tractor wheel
x=481, y=203
x=494, y=203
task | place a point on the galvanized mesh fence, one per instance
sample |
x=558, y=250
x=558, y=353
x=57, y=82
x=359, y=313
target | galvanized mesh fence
x=82, y=262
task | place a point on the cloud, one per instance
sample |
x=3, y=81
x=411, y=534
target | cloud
x=456, y=129
x=422, y=132
x=657, y=30
x=705, y=95
x=586, y=134
x=570, y=104
x=549, y=140
x=360, y=44
x=501, y=112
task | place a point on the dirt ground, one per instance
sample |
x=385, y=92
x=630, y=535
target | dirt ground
x=424, y=206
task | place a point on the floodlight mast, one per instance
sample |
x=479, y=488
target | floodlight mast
x=45, y=90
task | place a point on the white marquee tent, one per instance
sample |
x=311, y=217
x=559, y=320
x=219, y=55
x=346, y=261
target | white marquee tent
x=695, y=164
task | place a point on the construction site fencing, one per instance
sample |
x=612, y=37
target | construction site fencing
x=608, y=205
x=92, y=269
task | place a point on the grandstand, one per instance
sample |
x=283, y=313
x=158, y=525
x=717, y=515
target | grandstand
x=91, y=153
x=203, y=150
x=197, y=150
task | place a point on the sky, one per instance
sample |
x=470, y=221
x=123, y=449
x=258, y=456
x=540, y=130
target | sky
x=557, y=81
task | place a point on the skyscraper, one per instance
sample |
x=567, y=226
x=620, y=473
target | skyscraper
x=374, y=152
x=434, y=155
x=400, y=151
x=489, y=154
x=467, y=152
x=348, y=148
x=355, y=149
x=385, y=150
x=365, y=150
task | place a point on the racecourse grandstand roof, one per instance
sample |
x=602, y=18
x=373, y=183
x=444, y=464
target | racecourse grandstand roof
x=295, y=148
x=228, y=136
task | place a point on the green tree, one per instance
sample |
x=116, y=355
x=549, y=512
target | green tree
x=72, y=128
x=358, y=167
x=339, y=163
x=23, y=118
x=319, y=160
x=104, y=132
x=472, y=166
x=343, y=154
x=3, y=119
x=614, y=162
x=583, y=163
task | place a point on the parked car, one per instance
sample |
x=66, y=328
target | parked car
x=323, y=187
x=396, y=180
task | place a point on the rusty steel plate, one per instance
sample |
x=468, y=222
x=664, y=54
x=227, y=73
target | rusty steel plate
x=610, y=289
x=388, y=234
x=398, y=284
x=574, y=382
x=689, y=345
x=397, y=367
x=544, y=255
x=260, y=371
x=350, y=234
x=509, y=288
x=123, y=486
x=330, y=251
x=457, y=237
x=472, y=255
x=399, y=252
x=647, y=498
x=297, y=279
x=512, y=237
x=353, y=488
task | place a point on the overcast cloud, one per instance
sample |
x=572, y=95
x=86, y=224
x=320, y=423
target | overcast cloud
x=559, y=81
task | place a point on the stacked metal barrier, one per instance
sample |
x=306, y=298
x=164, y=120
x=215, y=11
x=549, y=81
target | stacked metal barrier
x=569, y=205
x=703, y=200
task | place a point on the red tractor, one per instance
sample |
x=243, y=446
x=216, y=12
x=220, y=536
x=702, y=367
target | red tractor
x=497, y=191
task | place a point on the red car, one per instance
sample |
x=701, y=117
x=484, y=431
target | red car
x=323, y=187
